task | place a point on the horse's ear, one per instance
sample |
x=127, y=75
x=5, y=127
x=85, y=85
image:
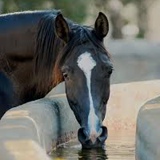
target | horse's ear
x=101, y=25
x=62, y=28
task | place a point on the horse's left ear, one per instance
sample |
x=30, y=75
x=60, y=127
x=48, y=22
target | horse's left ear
x=101, y=25
x=62, y=28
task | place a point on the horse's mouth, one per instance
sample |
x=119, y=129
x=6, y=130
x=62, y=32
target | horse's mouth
x=88, y=143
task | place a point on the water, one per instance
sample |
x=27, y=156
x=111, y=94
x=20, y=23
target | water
x=119, y=146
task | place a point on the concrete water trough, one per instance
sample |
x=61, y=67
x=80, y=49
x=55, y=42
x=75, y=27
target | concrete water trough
x=148, y=131
x=32, y=130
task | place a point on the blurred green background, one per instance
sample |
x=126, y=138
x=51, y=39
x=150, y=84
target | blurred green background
x=75, y=9
x=128, y=18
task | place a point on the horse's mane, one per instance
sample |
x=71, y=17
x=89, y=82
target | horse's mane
x=50, y=52
x=46, y=50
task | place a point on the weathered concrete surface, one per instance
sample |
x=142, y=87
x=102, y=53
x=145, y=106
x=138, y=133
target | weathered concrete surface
x=148, y=131
x=21, y=131
x=134, y=60
x=28, y=128
x=125, y=102
x=123, y=106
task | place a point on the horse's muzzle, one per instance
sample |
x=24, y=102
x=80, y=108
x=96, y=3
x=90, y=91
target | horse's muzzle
x=94, y=140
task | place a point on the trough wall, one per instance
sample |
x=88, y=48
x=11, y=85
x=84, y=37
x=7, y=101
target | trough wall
x=33, y=130
x=148, y=131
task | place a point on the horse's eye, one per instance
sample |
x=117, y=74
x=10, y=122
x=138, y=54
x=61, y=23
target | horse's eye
x=110, y=71
x=65, y=75
x=66, y=71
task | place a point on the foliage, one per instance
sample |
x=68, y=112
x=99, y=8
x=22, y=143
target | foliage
x=77, y=11
x=19, y=5
x=117, y=19
x=74, y=9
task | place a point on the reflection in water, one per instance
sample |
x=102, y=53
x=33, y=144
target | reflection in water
x=74, y=152
x=92, y=154
x=118, y=147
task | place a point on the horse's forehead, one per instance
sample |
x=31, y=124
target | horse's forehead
x=86, y=61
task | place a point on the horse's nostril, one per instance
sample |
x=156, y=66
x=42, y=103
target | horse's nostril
x=104, y=134
x=82, y=135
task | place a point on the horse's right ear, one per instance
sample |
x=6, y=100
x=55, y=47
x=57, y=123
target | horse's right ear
x=62, y=28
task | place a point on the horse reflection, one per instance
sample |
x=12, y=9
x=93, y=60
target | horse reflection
x=92, y=154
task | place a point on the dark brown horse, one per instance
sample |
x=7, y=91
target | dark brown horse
x=7, y=95
x=40, y=49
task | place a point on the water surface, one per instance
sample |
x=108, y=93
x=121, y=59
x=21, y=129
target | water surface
x=119, y=146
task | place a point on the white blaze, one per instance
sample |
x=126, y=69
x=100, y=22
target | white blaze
x=86, y=63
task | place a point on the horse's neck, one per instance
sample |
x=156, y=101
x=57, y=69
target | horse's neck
x=20, y=45
x=17, y=36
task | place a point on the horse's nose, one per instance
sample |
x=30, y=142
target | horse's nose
x=93, y=139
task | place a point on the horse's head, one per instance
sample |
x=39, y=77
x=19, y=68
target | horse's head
x=86, y=69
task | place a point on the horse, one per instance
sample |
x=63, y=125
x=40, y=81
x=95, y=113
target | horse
x=40, y=49
x=7, y=98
